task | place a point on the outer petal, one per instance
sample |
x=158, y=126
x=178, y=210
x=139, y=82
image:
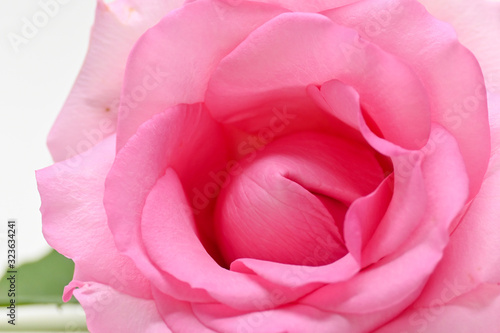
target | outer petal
x=142, y=14
x=108, y=310
x=478, y=27
x=474, y=311
x=296, y=318
x=174, y=139
x=182, y=51
x=430, y=47
x=473, y=254
x=294, y=50
x=293, y=318
x=402, y=273
x=299, y=5
x=75, y=223
x=494, y=115
x=89, y=113
x=179, y=315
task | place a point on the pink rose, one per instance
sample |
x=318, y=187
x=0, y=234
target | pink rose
x=282, y=166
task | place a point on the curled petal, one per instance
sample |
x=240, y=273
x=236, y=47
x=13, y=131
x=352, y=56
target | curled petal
x=431, y=48
x=477, y=25
x=172, y=62
x=108, y=310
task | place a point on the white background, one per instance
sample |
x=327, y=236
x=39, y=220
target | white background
x=34, y=82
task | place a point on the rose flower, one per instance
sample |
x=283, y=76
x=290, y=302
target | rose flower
x=282, y=166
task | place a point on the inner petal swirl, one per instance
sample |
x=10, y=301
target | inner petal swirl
x=288, y=204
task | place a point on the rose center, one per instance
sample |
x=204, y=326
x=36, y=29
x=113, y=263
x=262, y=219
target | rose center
x=289, y=201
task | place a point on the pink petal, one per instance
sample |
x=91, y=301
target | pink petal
x=431, y=48
x=477, y=311
x=409, y=254
x=494, y=116
x=477, y=25
x=396, y=288
x=170, y=241
x=415, y=190
x=280, y=59
x=408, y=204
x=292, y=318
x=293, y=276
x=75, y=223
x=109, y=310
x=174, y=139
x=296, y=318
x=142, y=14
x=179, y=315
x=90, y=111
x=180, y=53
x=380, y=237
x=472, y=257
x=283, y=223
x=341, y=100
x=299, y=5
x=364, y=215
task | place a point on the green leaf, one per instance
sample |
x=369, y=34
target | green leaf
x=38, y=282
